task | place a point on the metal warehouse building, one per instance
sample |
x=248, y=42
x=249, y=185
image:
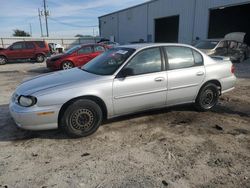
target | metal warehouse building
x=176, y=20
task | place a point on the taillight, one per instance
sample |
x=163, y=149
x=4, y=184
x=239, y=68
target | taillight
x=232, y=69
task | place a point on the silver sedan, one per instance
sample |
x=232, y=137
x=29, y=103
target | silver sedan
x=123, y=80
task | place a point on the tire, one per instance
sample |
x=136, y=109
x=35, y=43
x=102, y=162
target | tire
x=40, y=58
x=67, y=65
x=82, y=118
x=207, y=97
x=3, y=60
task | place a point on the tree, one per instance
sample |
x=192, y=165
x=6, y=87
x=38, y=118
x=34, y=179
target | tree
x=20, y=33
x=79, y=35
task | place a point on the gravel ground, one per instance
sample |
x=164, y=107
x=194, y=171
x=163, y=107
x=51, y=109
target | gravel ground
x=173, y=147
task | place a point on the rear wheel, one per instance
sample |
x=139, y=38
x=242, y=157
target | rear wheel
x=67, y=65
x=82, y=118
x=3, y=60
x=40, y=58
x=207, y=97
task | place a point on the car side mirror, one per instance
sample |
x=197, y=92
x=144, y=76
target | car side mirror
x=10, y=48
x=125, y=72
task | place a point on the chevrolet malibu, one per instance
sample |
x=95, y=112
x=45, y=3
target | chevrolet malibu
x=122, y=80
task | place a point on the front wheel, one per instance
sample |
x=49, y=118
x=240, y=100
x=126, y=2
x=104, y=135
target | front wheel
x=3, y=60
x=82, y=118
x=207, y=97
x=67, y=65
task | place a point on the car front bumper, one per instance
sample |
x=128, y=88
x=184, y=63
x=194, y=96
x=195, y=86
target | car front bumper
x=35, y=118
x=52, y=65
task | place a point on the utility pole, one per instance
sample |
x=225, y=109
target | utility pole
x=30, y=30
x=46, y=14
x=41, y=27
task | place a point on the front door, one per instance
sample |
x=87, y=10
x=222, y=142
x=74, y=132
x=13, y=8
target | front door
x=145, y=87
x=185, y=74
x=16, y=51
x=84, y=55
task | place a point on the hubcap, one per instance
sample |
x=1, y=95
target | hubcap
x=82, y=119
x=67, y=65
x=208, y=98
x=2, y=61
x=39, y=58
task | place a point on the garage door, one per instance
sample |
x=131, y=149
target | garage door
x=167, y=29
x=229, y=19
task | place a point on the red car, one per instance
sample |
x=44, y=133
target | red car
x=75, y=56
x=35, y=50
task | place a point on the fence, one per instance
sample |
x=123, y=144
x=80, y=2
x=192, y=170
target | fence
x=65, y=42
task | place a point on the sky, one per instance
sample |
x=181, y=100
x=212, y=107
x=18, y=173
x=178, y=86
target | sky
x=67, y=17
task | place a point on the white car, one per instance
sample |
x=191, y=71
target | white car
x=56, y=48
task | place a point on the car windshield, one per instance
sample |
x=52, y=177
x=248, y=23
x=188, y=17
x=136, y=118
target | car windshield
x=73, y=49
x=206, y=44
x=108, y=62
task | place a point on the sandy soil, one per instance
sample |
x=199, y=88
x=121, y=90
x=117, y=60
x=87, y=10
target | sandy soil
x=174, y=147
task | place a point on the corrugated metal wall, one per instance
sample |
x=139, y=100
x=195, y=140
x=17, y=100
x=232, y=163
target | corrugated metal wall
x=202, y=14
x=138, y=22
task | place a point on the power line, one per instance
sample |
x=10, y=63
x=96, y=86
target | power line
x=72, y=25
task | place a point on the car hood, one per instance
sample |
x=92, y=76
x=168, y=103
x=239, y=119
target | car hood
x=56, y=57
x=54, y=80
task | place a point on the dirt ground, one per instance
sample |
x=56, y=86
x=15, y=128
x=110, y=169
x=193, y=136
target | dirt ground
x=173, y=147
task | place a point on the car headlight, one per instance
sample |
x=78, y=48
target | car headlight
x=27, y=101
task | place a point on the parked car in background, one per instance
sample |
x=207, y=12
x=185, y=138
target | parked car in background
x=56, y=48
x=33, y=50
x=231, y=46
x=75, y=56
x=110, y=44
x=122, y=80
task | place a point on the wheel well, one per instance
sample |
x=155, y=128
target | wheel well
x=216, y=82
x=97, y=100
x=4, y=56
x=40, y=54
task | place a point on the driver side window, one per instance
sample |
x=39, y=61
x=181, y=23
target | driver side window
x=146, y=61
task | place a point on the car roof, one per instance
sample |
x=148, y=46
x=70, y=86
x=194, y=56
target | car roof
x=145, y=45
x=91, y=44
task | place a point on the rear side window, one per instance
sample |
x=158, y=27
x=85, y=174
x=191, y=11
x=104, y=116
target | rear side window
x=85, y=50
x=182, y=57
x=29, y=45
x=99, y=48
x=41, y=44
x=198, y=59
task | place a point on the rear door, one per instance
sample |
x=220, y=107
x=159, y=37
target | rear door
x=145, y=88
x=186, y=73
x=29, y=50
x=84, y=55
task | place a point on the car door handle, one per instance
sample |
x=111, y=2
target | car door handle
x=200, y=73
x=159, y=79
